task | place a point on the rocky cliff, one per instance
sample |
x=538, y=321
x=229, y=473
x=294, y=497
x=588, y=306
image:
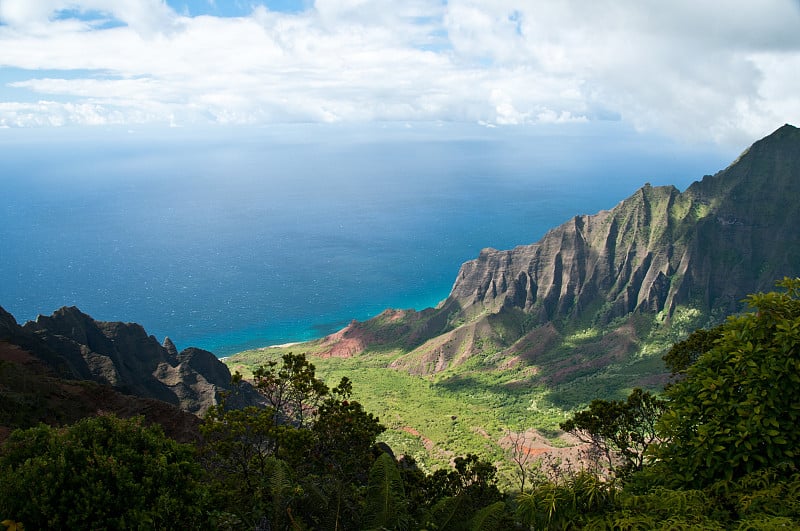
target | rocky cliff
x=725, y=236
x=123, y=356
x=659, y=250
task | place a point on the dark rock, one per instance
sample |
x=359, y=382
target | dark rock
x=8, y=325
x=123, y=356
x=170, y=346
x=34, y=392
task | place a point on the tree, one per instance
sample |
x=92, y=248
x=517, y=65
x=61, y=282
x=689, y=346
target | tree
x=620, y=432
x=293, y=390
x=455, y=496
x=238, y=453
x=520, y=455
x=306, y=458
x=685, y=353
x=101, y=473
x=344, y=435
x=737, y=409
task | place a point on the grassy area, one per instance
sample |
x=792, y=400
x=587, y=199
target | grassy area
x=433, y=418
x=470, y=407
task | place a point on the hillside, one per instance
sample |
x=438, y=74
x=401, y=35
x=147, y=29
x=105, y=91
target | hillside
x=596, y=289
x=61, y=368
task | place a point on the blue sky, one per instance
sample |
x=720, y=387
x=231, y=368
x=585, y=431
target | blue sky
x=684, y=69
x=235, y=8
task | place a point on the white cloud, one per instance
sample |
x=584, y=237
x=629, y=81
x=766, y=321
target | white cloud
x=685, y=68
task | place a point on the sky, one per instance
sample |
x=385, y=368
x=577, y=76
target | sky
x=727, y=72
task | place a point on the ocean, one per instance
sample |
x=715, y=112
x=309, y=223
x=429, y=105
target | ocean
x=234, y=238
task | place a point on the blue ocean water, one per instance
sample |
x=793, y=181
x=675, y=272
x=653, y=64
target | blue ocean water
x=228, y=239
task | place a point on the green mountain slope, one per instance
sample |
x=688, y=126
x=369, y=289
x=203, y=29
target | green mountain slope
x=659, y=252
x=529, y=334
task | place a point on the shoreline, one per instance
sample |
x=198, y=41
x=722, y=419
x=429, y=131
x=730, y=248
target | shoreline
x=260, y=349
x=281, y=345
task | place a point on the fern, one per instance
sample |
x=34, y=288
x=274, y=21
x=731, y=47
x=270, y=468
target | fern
x=386, y=503
x=445, y=514
x=489, y=518
x=280, y=486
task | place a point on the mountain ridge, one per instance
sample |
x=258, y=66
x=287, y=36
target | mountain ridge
x=74, y=346
x=657, y=252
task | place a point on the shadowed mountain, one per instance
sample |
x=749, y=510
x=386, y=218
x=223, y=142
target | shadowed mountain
x=121, y=355
x=581, y=289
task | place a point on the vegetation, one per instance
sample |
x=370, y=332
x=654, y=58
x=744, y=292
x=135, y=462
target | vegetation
x=717, y=452
x=736, y=411
x=619, y=432
x=471, y=407
x=101, y=473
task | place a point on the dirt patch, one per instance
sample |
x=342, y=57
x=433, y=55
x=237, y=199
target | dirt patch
x=14, y=354
x=345, y=343
x=532, y=445
x=429, y=445
x=480, y=431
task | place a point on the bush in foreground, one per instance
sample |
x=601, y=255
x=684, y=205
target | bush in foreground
x=100, y=473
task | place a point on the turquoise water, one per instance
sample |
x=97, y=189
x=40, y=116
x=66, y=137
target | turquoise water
x=231, y=239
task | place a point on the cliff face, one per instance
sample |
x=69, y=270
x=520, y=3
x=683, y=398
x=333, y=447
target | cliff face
x=728, y=235
x=124, y=357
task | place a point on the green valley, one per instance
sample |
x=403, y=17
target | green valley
x=531, y=335
x=472, y=407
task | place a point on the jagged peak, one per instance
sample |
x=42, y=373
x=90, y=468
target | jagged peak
x=8, y=325
x=71, y=311
x=170, y=347
x=786, y=128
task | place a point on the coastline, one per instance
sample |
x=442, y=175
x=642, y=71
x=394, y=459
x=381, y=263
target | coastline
x=281, y=345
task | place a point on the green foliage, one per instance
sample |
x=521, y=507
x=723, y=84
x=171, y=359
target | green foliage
x=101, y=473
x=344, y=435
x=471, y=477
x=767, y=499
x=738, y=407
x=566, y=503
x=447, y=514
x=292, y=390
x=490, y=518
x=238, y=453
x=386, y=503
x=281, y=486
x=619, y=432
x=684, y=354
x=301, y=461
x=455, y=496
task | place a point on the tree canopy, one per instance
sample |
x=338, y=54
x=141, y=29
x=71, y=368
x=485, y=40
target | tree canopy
x=738, y=407
x=101, y=473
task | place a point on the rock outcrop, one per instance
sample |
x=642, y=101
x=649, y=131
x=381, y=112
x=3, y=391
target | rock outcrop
x=32, y=392
x=8, y=325
x=123, y=356
x=725, y=236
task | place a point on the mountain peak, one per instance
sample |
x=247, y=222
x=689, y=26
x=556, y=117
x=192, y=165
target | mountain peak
x=787, y=128
x=125, y=357
x=659, y=250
